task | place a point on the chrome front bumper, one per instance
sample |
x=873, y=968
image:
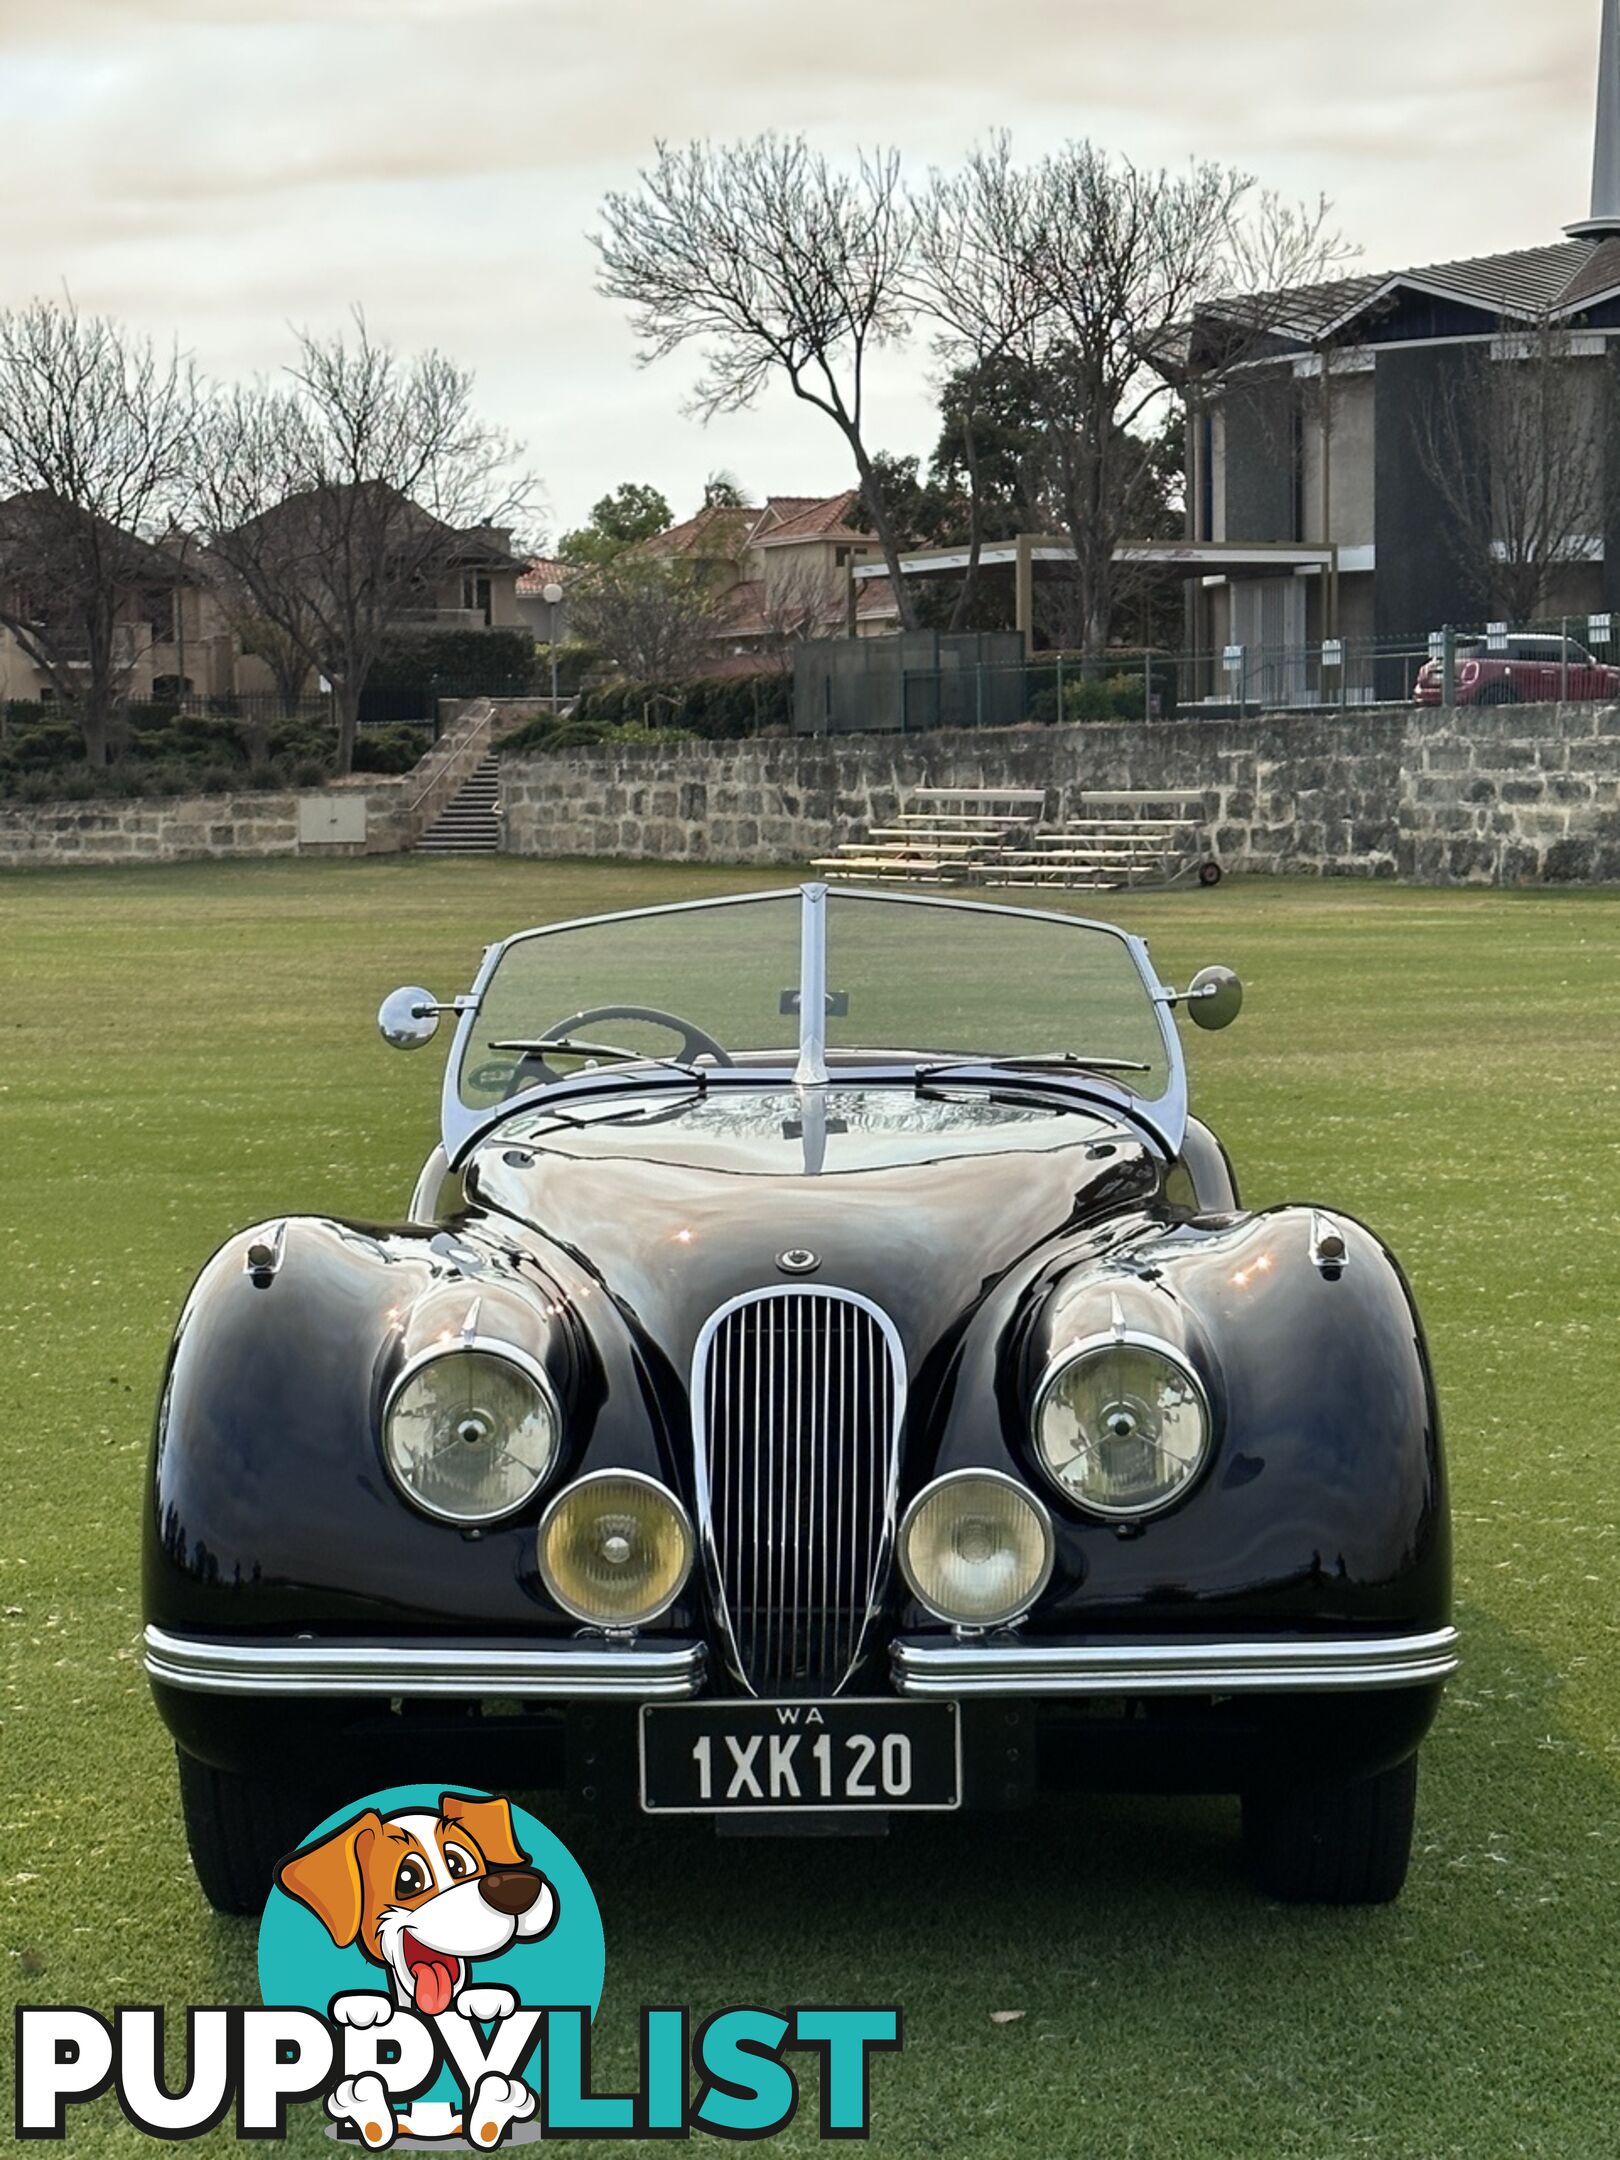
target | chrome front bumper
x=584, y=1669
x=948, y=1665
x=574, y=1671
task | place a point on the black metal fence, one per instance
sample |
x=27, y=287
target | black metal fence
x=863, y=685
x=892, y=685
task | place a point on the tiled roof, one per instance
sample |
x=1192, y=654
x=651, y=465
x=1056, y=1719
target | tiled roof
x=541, y=572
x=35, y=523
x=779, y=508
x=717, y=532
x=827, y=518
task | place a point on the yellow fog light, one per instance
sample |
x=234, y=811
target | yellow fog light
x=976, y=1548
x=615, y=1549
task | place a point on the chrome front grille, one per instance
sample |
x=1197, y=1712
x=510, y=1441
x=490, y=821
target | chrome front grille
x=797, y=1401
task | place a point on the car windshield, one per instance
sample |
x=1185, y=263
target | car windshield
x=728, y=972
x=987, y=983
x=906, y=979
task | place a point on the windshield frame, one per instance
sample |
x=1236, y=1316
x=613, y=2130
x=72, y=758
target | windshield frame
x=1163, y=1118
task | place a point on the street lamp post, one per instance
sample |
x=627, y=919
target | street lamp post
x=552, y=595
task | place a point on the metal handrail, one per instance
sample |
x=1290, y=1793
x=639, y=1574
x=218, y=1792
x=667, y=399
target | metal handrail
x=472, y=737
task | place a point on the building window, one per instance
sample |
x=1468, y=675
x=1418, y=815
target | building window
x=476, y=597
x=157, y=604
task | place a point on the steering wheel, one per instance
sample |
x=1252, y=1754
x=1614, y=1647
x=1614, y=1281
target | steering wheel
x=695, y=1042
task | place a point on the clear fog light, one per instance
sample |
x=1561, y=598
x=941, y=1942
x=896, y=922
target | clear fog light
x=976, y=1549
x=615, y=1549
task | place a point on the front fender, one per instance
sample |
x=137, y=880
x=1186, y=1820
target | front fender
x=1324, y=1502
x=269, y=1505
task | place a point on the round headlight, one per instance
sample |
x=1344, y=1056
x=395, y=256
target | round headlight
x=976, y=1549
x=471, y=1435
x=1122, y=1427
x=615, y=1549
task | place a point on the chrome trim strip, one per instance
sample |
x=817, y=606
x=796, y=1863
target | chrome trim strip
x=812, y=1067
x=1330, y=1250
x=563, y=1671
x=924, y=1665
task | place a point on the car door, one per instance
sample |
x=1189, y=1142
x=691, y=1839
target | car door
x=1546, y=674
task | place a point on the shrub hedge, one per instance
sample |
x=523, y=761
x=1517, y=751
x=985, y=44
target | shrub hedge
x=722, y=707
x=165, y=752
x=455, y=663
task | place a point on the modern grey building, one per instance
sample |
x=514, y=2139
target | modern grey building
x=1323, y=438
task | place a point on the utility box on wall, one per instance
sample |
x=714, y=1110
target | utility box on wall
x=331, y=821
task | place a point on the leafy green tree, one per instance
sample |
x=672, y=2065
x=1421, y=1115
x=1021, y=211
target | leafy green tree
x=630, y=513
x=723, y=491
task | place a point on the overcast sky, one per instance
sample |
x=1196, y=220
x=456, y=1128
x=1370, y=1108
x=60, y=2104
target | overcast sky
x=223, y=168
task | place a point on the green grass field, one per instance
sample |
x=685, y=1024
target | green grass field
x=187, y=1050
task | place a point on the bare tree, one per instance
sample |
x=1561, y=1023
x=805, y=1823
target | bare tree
x=95, y=441
x=776, y=265
x=654, y=619
x=339, y=502
x=800, y=604
x=1513, y=441
x=285, y=655
x=980, y=254
x=1128, y=261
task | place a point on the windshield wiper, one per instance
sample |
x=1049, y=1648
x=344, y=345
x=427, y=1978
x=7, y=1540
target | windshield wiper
x=1039, y=1061
x=572, y=1046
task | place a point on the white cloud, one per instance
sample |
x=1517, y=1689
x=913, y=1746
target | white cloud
x=225, y=167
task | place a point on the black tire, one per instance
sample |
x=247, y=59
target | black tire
x=1499, y=693
x=237, y=1828
x=1210, y=873
x=1340, y=1845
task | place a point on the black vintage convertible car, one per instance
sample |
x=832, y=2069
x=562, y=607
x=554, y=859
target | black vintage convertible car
x=824, y=1373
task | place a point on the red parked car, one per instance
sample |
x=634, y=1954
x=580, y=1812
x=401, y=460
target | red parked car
x=1522, y=671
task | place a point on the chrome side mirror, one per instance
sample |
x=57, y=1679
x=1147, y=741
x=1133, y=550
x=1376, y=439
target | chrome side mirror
x=409, y=1019
x=1214, y=998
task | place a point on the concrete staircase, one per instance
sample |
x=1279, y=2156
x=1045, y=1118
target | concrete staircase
x=470, y=822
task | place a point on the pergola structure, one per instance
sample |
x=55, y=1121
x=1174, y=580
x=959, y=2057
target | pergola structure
x=1207, y=560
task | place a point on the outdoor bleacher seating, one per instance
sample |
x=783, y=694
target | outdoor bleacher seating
x=940, y=835
x=980, y=836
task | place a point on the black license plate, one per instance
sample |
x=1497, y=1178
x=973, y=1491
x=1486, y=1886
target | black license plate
x=773, y=1758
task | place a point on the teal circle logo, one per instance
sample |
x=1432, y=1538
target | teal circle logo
x=421, y=1895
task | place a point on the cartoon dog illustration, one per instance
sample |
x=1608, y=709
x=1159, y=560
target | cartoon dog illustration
x=422, y=1895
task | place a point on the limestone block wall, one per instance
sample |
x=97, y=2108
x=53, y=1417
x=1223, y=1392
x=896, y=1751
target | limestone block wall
x=1500, y=795
x=191, y=828
x=1318, y=797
